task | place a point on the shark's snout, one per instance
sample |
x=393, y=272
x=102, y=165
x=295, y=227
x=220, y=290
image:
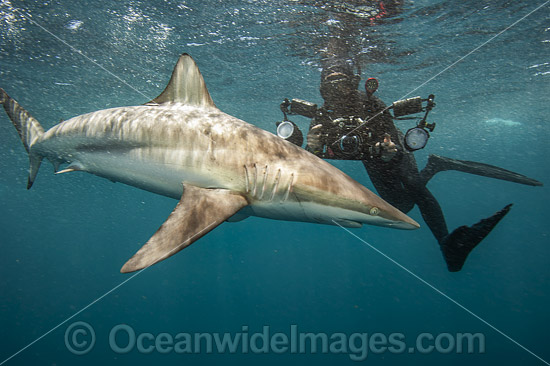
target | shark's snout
x=393, y=218
x=399, y=220
x=381, y=213
x=404, y=225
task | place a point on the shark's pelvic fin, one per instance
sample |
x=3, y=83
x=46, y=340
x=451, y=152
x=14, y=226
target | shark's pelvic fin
x=186, y=85
x=198, y=212
x=29, y=130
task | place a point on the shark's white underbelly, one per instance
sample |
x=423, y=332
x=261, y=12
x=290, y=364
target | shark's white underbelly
x=165, y=178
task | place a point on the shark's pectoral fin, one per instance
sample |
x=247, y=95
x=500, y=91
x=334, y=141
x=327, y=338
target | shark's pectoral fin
x=198, y=212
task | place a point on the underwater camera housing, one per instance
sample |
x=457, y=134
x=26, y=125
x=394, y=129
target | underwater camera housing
x=349, y=137
x=341, y=138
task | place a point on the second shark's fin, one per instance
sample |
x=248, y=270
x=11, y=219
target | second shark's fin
x=198, y=212
x=186, y=85
x=438, y=163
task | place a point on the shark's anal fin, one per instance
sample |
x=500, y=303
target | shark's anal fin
x=198, y=212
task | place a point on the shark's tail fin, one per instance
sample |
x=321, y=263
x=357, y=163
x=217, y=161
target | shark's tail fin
x=29, y=130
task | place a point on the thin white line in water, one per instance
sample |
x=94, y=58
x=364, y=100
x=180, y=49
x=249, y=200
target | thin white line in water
x=74, y=49
x=100, y=298
x=443, y=294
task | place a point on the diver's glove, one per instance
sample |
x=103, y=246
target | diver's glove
x=387, y=149
x=314, y=142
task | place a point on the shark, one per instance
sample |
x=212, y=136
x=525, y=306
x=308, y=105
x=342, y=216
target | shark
x=220, y=168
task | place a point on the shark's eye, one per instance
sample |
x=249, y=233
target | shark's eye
x=374, y=211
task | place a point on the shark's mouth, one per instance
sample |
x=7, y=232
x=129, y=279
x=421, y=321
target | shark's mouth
x=347, y=223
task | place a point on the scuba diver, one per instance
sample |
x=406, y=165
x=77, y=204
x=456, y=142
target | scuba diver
x=356, y=125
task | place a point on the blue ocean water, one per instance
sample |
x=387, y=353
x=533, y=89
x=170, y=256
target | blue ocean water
x=64, y=241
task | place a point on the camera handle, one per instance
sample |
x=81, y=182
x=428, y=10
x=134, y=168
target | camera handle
x=284, y=108
x=429, y=107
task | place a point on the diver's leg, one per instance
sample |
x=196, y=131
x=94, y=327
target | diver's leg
x=387, y=182
x=416, y=191
x=430, y=210
x=438, y=163
x=406, y=187
x=457, y=245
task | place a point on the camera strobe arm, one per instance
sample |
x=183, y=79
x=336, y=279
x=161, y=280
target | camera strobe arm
x=298, y=107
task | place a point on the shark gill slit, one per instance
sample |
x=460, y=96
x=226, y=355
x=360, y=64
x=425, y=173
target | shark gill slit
x=263, y=184
x=246, y=179
x=275, y=185
x=255, y=185
x=289, y=188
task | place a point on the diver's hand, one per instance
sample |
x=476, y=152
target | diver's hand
x=314, y=139
x=386, y=149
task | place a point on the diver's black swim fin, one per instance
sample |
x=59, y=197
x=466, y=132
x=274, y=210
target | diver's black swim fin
x=438, y=163
x=457, y=245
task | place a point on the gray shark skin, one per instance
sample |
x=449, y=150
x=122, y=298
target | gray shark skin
x=220, y=168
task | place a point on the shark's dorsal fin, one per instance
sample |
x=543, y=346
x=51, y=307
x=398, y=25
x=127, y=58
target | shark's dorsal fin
x=186, y=85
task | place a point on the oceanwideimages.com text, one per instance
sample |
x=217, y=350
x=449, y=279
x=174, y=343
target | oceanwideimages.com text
x=80, y=339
